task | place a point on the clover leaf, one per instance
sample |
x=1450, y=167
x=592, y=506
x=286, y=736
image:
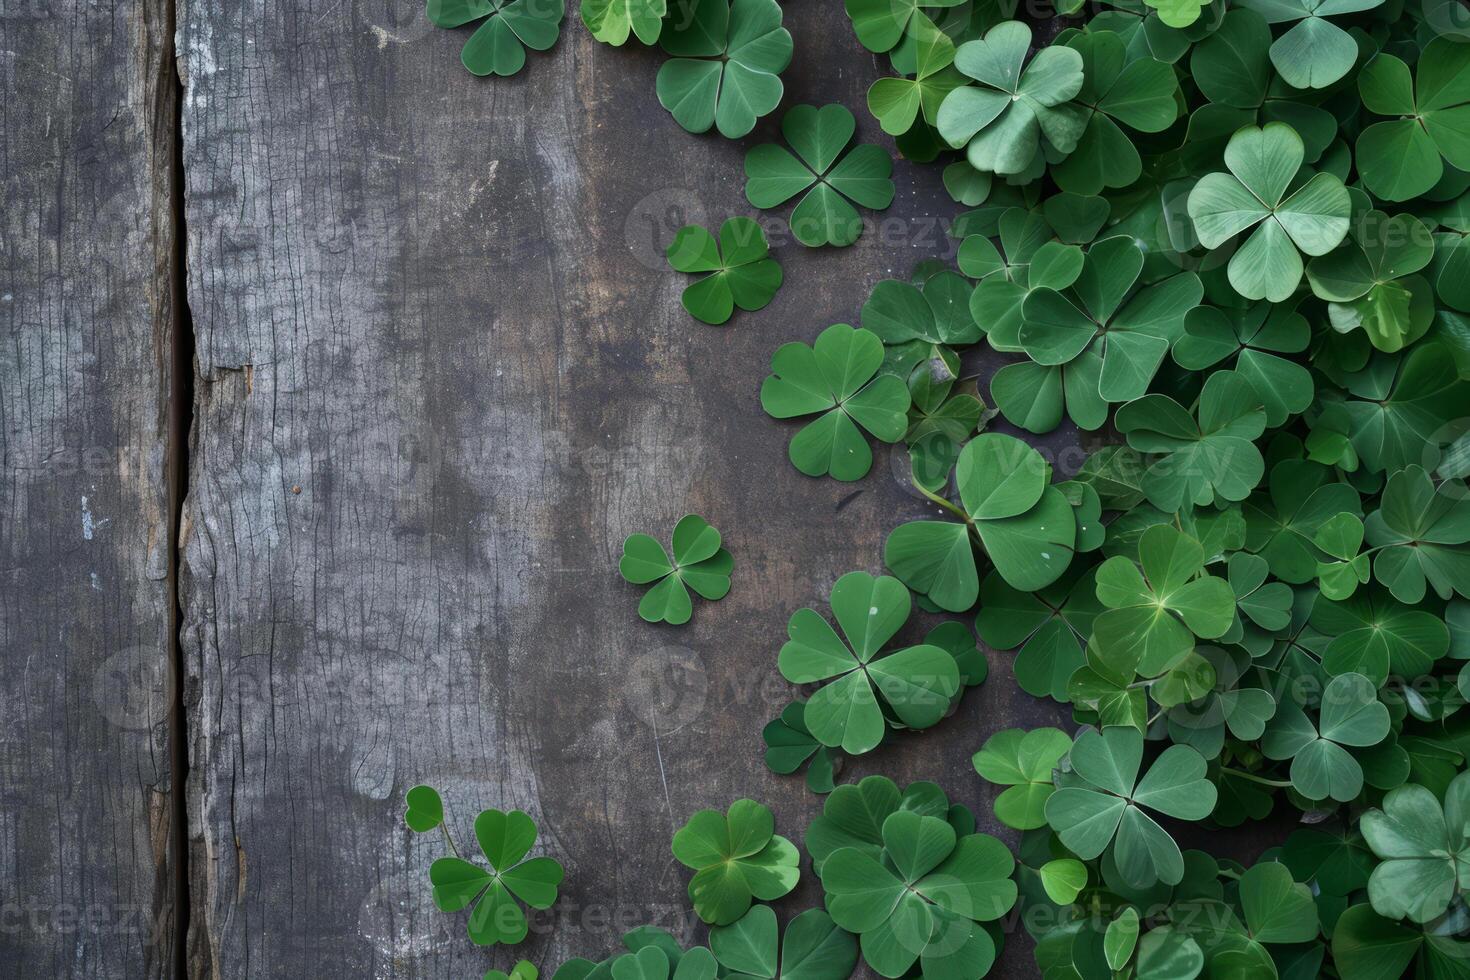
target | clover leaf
x=1027, y=257
x=1024, y=762
x=523, y=970
x=699, y=564
x=1375, y=636
x=1321, y=768
x=745, y=275
x=839, y=377
x=1128, y=339
x=672, y=961
x=505, y=839
x=1051, y=626
x=914, y=684
x=1178, y=13
x=832, y=181
x=1341, y=537
x=1024, y=525
x=939, y=313
x=1404, y=157
x=498, y=46
x=1139, y=93
x=853, y=815
x=1315, y=52
x=1106, y=806
x=922, y=899
x=1424, y=850
x=728, y=59
x=1366, y=946
x=1002, y=121
x=790, y=744
x=425, y=809
x=1204, y=457
x=1157, y=607
x=1255, y=337
x=612, y=21
x=812, y=947
x=898, y=102
x=1283, y=520
x=1370, y=281
x=1312, y=219
x=881, y=24
x=736, y=857
x=1422, y=533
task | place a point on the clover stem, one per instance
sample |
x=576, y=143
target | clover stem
x=934, y=497
x=1279, y=783
x=448, y=839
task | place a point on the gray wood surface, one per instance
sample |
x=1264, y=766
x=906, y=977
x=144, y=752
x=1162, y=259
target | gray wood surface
x=86, y=131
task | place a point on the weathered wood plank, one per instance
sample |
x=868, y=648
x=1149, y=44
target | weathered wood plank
x=436, y=307
x=86, y=152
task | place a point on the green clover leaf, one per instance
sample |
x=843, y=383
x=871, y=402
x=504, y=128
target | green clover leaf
x=1312, y=219
x=1366, y=946
x=1102, y=317
x=736, y=857
x=699, y=564
x=523, y=970
x=838, y=376
x=1255, y=337
x=790, y=745
x=1002, y=121
x=1284, y=519
x=914, y=684
x=425, y=809
x=832, y=181
x=1422, y=533
x=1315, y=52
x=1375, y=636
x=1051, y=627
x=1321, y=768
x=853, y=815
x=498, y=46
x=1205, y=457
x=1424, y=850
x=881, y=24
x=812, y=947
x=921, y=899
x=897, y=103
x=728, y=58
x=612, y=21
x=1370, y=280
x=1106, y=807
x=505, y=839
x=1024, y=762
x=1025, y=526
x=744, y=275
x=1404, y=157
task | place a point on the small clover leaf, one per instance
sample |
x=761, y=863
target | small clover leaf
x=839, y=377
x=1316, y=52
x=741, y=270
x=1024, y=762
x=1404, y=157
x=1424, y=849
x=881, y=24
x=699, y=564
x=498, y=46
x=1283, y=521
x=1255, y=337
x=612, y=21
x=1313, y=219
x=1051, y=627
x=853, y=815
x=898, y=102
x=1370, y=283
x=922, y=898
x=1375, y=636
x=1106, y=806
x=523, y=970
x=790, y=744
x=1025, y=526
x=1321, y=768
x=915, y=684
x=505, y=839
x=736, y=857
x=812, y=947
x=1422, y=535
x=425, y=809
x=728, y=59
x=832, y=181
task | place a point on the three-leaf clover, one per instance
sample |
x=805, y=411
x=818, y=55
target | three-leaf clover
x=1256, y=336
x=1375, y=636
x=1422, y=535
x=741, y=270
x=853, y=815
x=1023, y=762
x=612, y=21
x=1001, y=121
x=1401, y=158
x=839, y=377
x=736, y=857
x=881, y=24
x=825, y=215
x=498, y=46
x=1282, y=521
x=1350, y=715
x=1127, y=341
x=790, y=744
x=916, y=684
x=505, y=839
x=728, y=58
x=1205, y=456
x=1370, y=283
x=1106, y=806
x=1315, y=52
x=897, y=102
x=1051, y=626
x=812, y=947
x=922, y=898
x=1263, y=164
x=699, y=564
x=1157, y=607
x=1025, y=526
x=1424, y=850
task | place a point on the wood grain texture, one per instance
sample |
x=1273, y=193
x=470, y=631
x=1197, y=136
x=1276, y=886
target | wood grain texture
x=443, y=374
x=86, y=138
